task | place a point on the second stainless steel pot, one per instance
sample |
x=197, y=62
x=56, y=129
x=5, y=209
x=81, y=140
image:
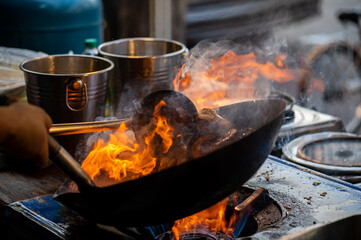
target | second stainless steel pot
x=141, y=66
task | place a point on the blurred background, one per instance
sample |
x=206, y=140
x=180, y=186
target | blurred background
x=306, y=29
x=61, y=26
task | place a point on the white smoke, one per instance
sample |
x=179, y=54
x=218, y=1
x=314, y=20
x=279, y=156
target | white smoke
x=200, y=59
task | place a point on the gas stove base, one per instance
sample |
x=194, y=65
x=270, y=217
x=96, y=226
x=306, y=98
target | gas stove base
x=310, y=198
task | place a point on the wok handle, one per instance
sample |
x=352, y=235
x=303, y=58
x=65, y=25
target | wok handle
x=60, y=129
x=68, y=164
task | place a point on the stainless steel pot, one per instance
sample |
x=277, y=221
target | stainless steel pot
x=70, y=88
x=141, y=66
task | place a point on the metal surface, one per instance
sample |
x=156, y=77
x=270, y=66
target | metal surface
x=291, y=149
x=288, y=183
x=308, y=121
x=348, y=228
x=312, y=198
x=46, y=85
x=305, y=121
x=250, y=200
x=150, y=200
x=61, y=129
x=141, y=66
x=338, y=150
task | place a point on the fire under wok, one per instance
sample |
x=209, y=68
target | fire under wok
x=185, y=189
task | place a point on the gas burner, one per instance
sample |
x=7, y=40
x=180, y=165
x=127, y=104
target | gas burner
x=334, y=153
x=254, y=210
x=210, y=235
x=333, y=149
x=266, y=211
x=304, y=121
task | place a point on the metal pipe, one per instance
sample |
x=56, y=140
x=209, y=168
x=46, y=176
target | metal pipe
x=250, y=200
x=62, y=129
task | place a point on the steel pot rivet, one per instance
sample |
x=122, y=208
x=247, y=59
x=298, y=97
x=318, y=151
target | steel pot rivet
x=76, y=84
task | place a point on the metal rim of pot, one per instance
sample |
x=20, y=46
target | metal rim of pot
x=110, y=67
x=290, y=152
x=76, y=81
x=183, y=48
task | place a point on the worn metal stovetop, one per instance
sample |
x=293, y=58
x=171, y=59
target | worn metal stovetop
x=311, y=199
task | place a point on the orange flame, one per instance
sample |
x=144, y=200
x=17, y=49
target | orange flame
x=121, y=157
x=230, y=78
x=213, y=218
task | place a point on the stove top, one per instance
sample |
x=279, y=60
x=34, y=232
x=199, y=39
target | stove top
x=308, y=119
x=310, y=199
x=305, y=121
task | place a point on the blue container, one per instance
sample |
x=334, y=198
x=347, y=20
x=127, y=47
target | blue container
x=50, y=26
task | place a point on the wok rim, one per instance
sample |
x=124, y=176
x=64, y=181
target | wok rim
x=189, y=161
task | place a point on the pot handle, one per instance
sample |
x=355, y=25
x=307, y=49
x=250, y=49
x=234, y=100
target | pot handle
x=75, y=89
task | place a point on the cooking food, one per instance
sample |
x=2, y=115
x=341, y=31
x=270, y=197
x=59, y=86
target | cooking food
x=163, y=126
x=166, y=132
x=213, y=132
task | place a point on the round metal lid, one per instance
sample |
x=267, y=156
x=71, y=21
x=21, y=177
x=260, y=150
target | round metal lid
x=334, y=153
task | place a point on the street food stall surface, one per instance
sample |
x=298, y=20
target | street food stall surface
x=308, y=198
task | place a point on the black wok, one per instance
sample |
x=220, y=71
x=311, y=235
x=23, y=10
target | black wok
x=190, y=187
